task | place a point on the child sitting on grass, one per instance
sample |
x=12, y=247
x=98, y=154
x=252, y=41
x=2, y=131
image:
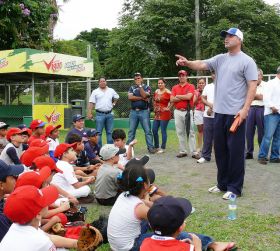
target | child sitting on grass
x=52, y=135
x=67, y=180
x=92, y=148
x=13, y=150
x=38, y=130
x=128, y=225
x=82, y=165
x=167, y=220
x=106, y=184
x=119, y=138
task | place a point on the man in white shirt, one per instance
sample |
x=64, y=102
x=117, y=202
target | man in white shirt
x=207, y=98
x=103, y=99
x=255, y=117
x=271, y=99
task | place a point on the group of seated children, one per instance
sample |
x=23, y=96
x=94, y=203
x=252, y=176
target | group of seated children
x=52, y=176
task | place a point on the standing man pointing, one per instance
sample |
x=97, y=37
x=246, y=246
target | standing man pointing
x=103, y=99
x=236, y=83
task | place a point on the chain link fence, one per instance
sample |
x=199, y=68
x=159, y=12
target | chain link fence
x=49, y=92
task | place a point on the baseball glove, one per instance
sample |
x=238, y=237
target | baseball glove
x=90, y=238
x=58, y=229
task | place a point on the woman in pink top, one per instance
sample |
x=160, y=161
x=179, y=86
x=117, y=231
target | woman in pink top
x=198, y=114
x=162, y=107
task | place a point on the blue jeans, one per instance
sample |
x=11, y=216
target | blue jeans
x=107, y=121
x=271, y=131
x=163, y=125
x=205, y=240
x=142, y=116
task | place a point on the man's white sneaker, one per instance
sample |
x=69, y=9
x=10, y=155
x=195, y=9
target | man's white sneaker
x=214, y=189
x=227, y=195
x=201, y=160
x=160, y=151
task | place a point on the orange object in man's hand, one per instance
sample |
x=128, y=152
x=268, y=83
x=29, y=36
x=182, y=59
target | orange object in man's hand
x=235, y=124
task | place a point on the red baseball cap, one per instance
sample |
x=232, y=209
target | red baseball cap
x=27, y=201
x=34, y=178
x=62, y=148
x=33, y=152
x=38, y=143
x=51, y=128
x=29, y=132
x=42, y=161
x=36, y=123
x=182, y=72
x=13, y=131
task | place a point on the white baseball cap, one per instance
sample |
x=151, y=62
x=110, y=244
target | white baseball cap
x=108, y=151
x=233, y=31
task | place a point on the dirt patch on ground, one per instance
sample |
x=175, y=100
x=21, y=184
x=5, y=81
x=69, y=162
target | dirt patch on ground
x=184, y=177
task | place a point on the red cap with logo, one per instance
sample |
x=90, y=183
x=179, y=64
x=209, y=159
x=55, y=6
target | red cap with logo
x=36, y=123
x=62, y=148
x=42, y=161
x=34, y=178
x=13, y=131
x=38, y=147
x=182, y=72
x=27, y=201
x=51, y=128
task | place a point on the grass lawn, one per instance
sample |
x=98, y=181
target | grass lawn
x=253, y=229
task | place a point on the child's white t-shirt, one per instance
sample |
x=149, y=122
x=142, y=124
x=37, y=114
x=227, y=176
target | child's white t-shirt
x=53, y=143
x=66, y=179
x=123, y=157
x=26, y=238
x=123, y=226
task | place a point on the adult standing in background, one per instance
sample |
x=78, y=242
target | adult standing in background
x=236, y=84
x=255, y=117
x=271, y=98
x=182, y=98
x=103, y=99
x=3, y=133
x=162, y=107
x=139, y=96
x=207, y=98
x=198, y=114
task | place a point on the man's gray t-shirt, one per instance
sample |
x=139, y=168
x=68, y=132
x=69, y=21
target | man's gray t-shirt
x=232, y=75
x=106, y=185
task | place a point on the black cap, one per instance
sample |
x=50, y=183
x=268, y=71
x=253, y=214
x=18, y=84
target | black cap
x=9, y=170
x=136, y=162
x=77, y=117
x=92, y=133
x=167, y=214
x=137, y=74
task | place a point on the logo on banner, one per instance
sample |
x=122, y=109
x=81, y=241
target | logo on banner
x=3, y=62
x=54, y=65
x=53, y=117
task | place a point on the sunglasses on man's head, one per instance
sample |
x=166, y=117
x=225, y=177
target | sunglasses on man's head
x=137, y=78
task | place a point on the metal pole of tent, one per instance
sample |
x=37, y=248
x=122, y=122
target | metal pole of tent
x=33, y=90
x=88, y=79
x=61, y=96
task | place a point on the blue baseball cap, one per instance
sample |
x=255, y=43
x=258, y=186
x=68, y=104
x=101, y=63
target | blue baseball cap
x=9, y=170
x=167, y=214
x=92, y=133
x=77, y=117
x=233, y=31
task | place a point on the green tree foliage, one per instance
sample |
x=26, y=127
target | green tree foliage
x=26, y=23
x=151, y=32
x=99, y=38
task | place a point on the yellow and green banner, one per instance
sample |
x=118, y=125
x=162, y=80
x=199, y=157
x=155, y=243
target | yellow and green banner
x=35, y=61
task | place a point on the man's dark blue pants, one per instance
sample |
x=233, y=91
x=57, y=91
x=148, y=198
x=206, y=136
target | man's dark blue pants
x=229, y=153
